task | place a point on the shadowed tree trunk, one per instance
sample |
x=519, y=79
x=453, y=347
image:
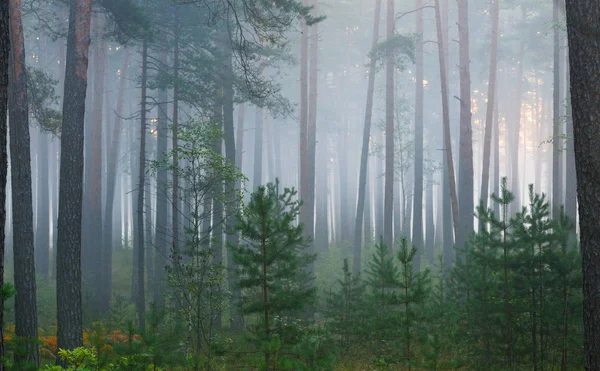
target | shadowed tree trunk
x=570, y=169
x=140, y=298
x=42, y=234
x=417, y=227
x=491, y=102
x=4, y=56
x=161, y=229
x=302, y=178
x=68, y=256
x=258, y=147
x=111, y=182
x=309, y=224
x=174, y=140
x=465, y=158
x=26, y=325
x=388, y=205
x=584, y=60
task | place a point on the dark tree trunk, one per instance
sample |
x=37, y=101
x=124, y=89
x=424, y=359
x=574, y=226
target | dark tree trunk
x=556, y=126
x=379, y=198
x=389, y=133
x=309, y=205
x=140, y=299
x=584, y=60
x=161, y=229
x=4, y=56
x=68, y=256
x=417, y=227
x=491, y=102
x=465, y=167
x=26, y=326
x=302, y=178
x=239, y=140
x=111, y=182
x=570, y=169
x=175, y=195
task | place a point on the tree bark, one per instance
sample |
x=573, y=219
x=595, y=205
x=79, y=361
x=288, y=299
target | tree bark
x=161, y=228
x=491, y=102
x=570, y=170
x=68, y=256
x=174, y=140
x=417, y=227
x=465, y=161
x=309, y=225
x=42, y=234
x=446, y=121
x=389, y=133
x=258, y=148
x=302, y=178
x=140, y=298
x=26, y=325
x=4, y=57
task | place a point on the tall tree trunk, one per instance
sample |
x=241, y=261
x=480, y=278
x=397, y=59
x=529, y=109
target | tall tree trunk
x=417, y=227
x=68, y=256
x=491, y=102
x=239, y=140
x=231, y=188
x=465, y=168
x=570, y=169
x=93, y=227
x=42, y=234
x=174, y=140
x=258, y=148
x=556, y=127
x=430, y=228
x=322, y=225
x=4, y=57
x=161, y=228
x=111, y=182
x=140, y=298
x=311, y=147
x=302, y=178
x=496, y=133
x=26, y=325
x=446, y=126
x=379, y=198
x=584, y=60
x=389, y=132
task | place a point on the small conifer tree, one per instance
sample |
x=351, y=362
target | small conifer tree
x=273, y=266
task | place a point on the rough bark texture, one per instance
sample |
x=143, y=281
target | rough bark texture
x=22, y=209
x=4, y=56
x=389, y=133
x=491, y=102
x=68, y=256
x=111, y=182
x=570, y=170
x=465, y=158
x=584, y=59
x=417, y=226
x=42, y=234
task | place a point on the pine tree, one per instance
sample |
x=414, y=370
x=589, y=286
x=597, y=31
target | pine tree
x=346, y=310
x=272, y=266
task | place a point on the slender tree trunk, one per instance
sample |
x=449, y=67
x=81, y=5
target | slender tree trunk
x=4, y=57
x=389, y=133
x=174, y=140
x=446, y=123
x=364, y=154
x=491, y=102
x=465, y=167
x=111, y=182
x=239, y=140
x=417, y=230
x=302, y=178
x=309, y=228
x=140, y=298
x=570, y=169
x=68, y=257
x=258, y=148
x=556, y=127
x=26, y=325
x=379, y=198
x=42, y=235
x=161, y=229
x=321, y=225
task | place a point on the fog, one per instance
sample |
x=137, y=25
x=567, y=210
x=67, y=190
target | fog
x=443, y=126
